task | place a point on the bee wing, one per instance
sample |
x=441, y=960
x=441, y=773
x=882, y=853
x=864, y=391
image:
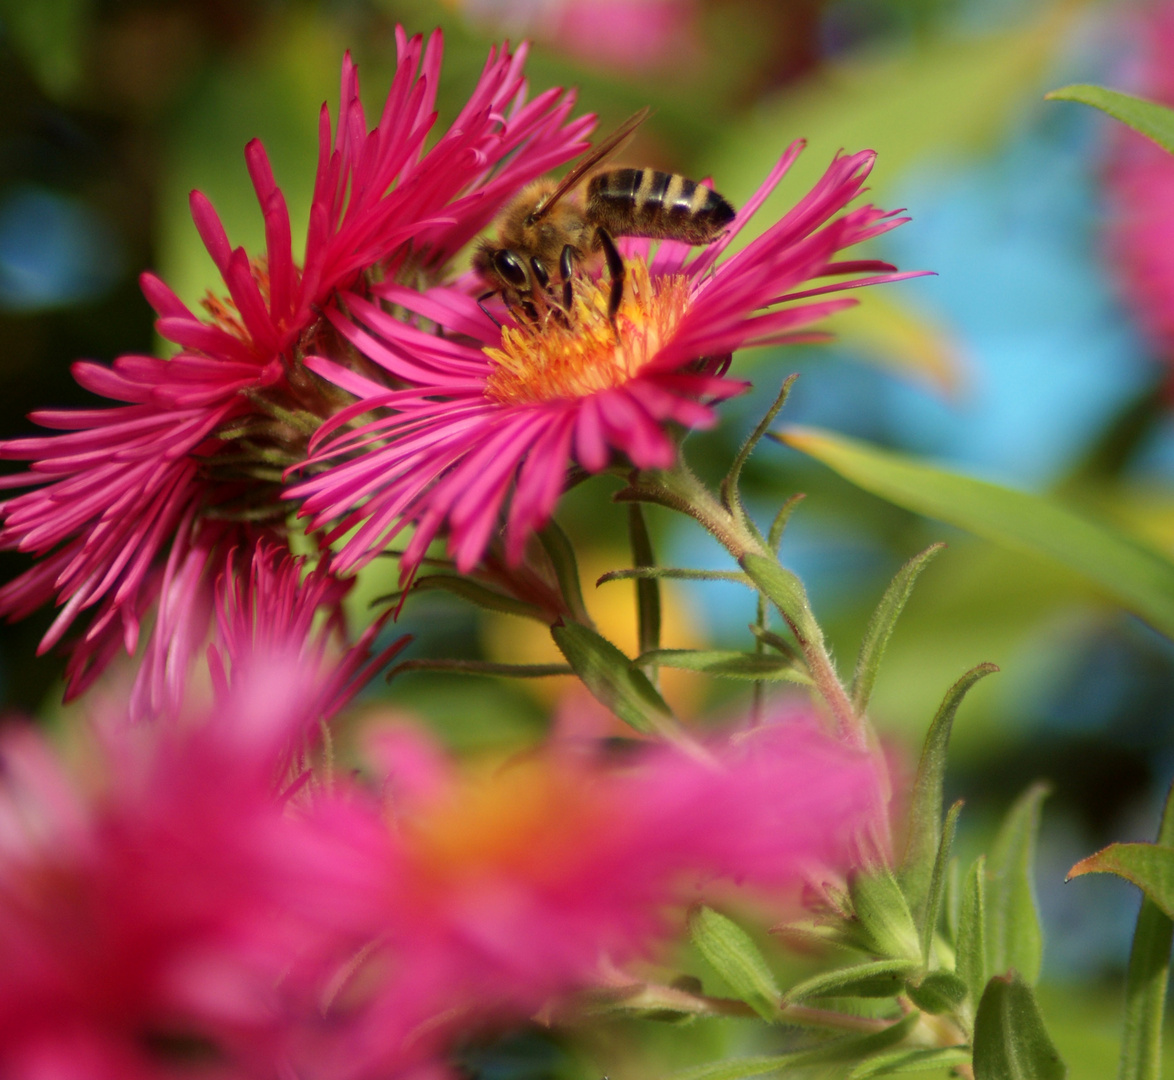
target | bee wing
x=593, y=157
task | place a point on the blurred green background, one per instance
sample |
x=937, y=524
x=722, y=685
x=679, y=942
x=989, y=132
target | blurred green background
x=1017, y=362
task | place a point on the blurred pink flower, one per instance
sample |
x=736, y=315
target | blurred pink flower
x=247, y=599
x=161, y=903
x=1140, y=189
x=633, y=35
x=505, y=889
x=201, y=436
x=494, y=416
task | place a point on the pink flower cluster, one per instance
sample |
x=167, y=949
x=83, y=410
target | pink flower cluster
x=345, y=390
x=188, y=905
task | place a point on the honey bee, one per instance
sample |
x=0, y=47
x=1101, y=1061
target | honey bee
x=546, y=231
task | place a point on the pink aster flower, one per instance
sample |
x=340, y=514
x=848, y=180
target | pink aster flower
x=202, y=436
x=1140, y=190
x=163, y=907
x=505, y=889
x=496, y=416
x=246, y=600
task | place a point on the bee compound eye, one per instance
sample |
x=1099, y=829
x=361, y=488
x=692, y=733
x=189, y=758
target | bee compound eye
x=509, y=267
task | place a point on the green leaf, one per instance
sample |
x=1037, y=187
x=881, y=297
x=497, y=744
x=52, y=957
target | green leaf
x=883, y=915
x=557, y=546
x=907, y=1061
x=786, y=592
x=880, y=626
x=782, y=520
x=731, y=497
x=1149, y=866
x=1148, y=977
x=472, y=591
x=647, y=589
x=727, y=663
x=480, y=667
x=735, y=957
x=970, y=963
x=938, y=992
x=676, y=573
x=610, y=677
x=925, y=803
x=1148, y=118
x=877, y=978
x=937, y=884
x=1010, y=1041
x=1136, y=576
x=1013, y=936
x=849, y=1048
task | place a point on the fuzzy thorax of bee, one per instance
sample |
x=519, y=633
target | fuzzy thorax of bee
x=557, y=358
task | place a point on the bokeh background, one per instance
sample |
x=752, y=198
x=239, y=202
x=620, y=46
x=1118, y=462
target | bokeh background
x=1019, y=362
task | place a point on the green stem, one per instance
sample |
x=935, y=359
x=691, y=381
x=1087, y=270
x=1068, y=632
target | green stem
x=680, y=489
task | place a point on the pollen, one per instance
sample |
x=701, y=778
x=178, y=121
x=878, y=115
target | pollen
x=565, y=356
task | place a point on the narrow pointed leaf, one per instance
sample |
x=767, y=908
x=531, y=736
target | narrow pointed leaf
x=727, y=663
x=786, y=592
x=610, y=677
x=557, y=546
x=970, y=963
x=877, y=978
x=880, y=626
x=1148, y=977
x=731, y=497
x=1013, y=936
x=1149, y=866
x=848, y=1048
x=937, y=883
x=1010, y=1040
x=925, y=804
x=907, y=1061
x=735, y=957
x=1135, y=575
x=480, y=667
x=1148, y=118
x=472, y=591
x=647, y=589
x=781, y=520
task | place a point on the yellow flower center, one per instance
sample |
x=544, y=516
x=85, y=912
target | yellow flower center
x=520, y=821
x=557, y=358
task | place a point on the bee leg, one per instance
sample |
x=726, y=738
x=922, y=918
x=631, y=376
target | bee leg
x=615, y=267
x=566, y=267
x=488, y=314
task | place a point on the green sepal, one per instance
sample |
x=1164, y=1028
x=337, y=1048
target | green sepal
x=472, y=591
x=1010, y=1040
x=1013, y=935
x=970, y=951
x=880, y=626
x=610, y=677
x=731, y=496
x=1148, y=118
x=906, y=1061
x=925, y=803
x=877, y=978
x=938, y=992
x=727, y=663
x=735, y=957
x=883, y=917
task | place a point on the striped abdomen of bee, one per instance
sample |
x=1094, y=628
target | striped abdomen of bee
x=659, y=205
